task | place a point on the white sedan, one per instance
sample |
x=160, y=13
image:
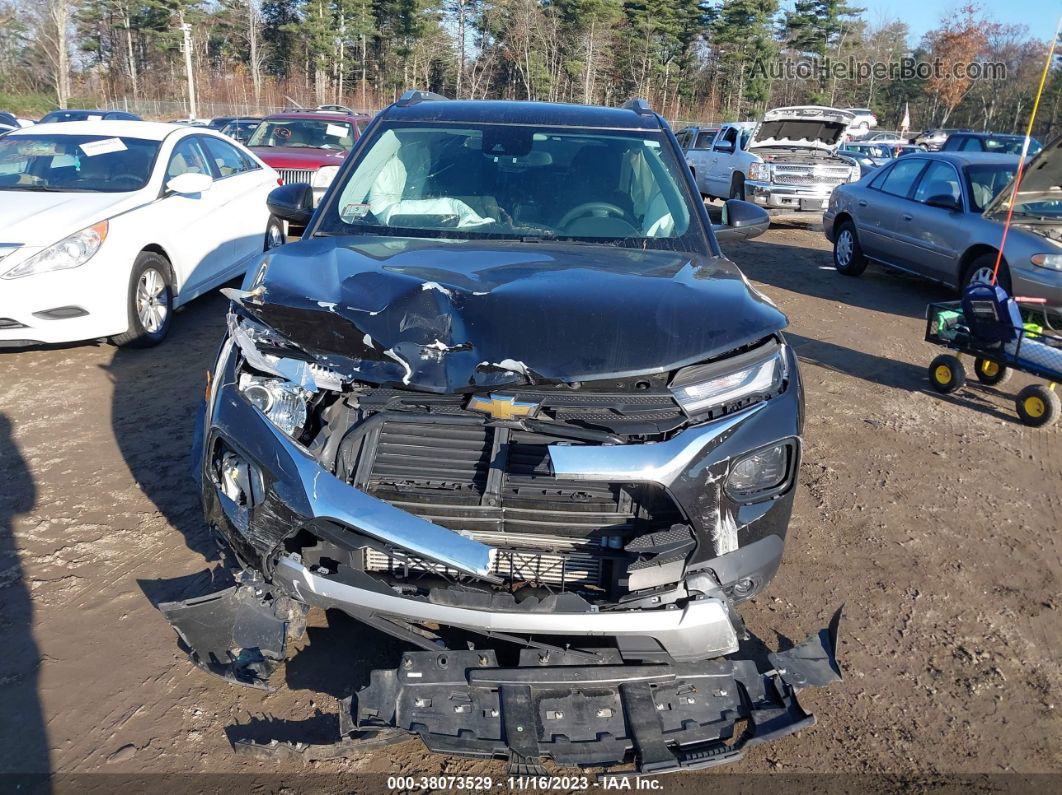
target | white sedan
x=106, y=227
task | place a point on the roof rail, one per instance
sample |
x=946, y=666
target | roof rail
x=337, y=108
x=639, y=106
x=413, y=96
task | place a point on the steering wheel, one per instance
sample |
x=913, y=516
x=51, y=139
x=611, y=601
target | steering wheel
x=600, y=209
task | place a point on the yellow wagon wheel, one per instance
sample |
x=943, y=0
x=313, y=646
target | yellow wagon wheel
x=1038, y=406
x=990, y=372
x=946, y=373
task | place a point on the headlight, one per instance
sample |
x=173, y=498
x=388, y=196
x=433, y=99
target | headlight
x=854, y=176
x=751, y=375
x=759, y=171
x=70, y=252
x=761, y=474
x=283, y=402
x=1052, y=261
x=323, y=177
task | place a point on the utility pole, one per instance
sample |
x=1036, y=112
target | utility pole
x=186, y=29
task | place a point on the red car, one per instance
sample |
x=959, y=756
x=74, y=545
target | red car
x=308, y=145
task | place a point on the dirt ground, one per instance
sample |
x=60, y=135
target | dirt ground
x=934, y=520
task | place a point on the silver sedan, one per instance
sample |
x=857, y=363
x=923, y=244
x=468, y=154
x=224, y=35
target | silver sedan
x=940, y=215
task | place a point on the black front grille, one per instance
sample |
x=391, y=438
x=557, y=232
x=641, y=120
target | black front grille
x=467, y=475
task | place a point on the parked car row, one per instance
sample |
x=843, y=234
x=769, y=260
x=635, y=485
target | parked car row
x=940, y=215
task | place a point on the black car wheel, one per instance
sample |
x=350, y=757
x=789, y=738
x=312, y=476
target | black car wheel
x=1038, y=406
x=150, y=302
x=979, y=271
x=274, y=235
x=946, y=373
x=990, y=372
x=847, y=253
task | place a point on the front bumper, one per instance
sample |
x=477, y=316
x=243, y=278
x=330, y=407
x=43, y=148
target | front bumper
x=810, y=198
x=80, y=303
x=1037, y=282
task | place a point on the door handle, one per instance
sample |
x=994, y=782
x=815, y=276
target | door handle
x=907, y=217
x=862, y=202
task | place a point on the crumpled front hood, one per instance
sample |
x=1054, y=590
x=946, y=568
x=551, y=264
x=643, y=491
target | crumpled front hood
x=445, y=315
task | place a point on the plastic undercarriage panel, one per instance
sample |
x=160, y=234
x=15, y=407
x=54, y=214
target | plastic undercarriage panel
x=665, y=717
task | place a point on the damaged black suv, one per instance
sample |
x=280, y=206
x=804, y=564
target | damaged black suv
x=507, y=401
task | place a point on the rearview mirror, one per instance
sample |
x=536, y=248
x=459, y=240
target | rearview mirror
x=292, y=203
x=944, y=200
x=741, y=221
x=190, y=183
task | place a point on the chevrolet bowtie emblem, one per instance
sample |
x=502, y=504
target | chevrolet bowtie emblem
x=503, y=407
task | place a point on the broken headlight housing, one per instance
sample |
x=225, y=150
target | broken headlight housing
x=70, y=252
x=731, y=382
x=282, y=402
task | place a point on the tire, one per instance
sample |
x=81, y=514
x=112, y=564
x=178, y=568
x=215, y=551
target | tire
x=946, y=373
x=847, y=253
x=274, y=235
x=991, y=373
x=979, y=269
x=737, y=187
x=150, y=302
x=1038, y=406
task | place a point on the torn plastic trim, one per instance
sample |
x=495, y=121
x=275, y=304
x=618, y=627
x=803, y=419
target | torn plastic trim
x=699, y=630
x=663, y=717
x=237, y=634
x=658, y=462
x=307, y=375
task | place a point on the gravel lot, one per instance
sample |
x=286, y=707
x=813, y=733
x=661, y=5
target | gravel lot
x=934, y=520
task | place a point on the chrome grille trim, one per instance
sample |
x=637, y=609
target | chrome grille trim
x=290, y=175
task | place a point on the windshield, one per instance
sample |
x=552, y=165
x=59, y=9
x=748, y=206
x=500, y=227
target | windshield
x=508, y=181
x=985, y=182
x=308, y=133
x=66, y=163
x=1011, y=145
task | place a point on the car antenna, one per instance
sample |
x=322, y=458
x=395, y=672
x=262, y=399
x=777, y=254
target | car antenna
x=639, y=106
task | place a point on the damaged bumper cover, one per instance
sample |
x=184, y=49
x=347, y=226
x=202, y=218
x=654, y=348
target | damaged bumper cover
x=663, y=718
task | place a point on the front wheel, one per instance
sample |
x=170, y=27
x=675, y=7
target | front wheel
x=980, y=271
x=274, y=235
x=150, y=302
x=1038, y=406
x=946, y=373
x=847, y=253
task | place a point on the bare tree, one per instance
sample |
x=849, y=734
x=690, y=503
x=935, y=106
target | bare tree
x=53, y=20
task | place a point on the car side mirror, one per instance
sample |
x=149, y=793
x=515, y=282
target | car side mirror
x=726, y=147
x=292, y=203
x=190, y=183
x=945, y=201
x=741, y=221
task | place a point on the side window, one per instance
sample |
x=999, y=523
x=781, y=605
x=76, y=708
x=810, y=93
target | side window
x=938, y=180
x=704, y=139
x=728, y=136
x=187, y=158
x=227, y=158
x=972, y=145
x=684, y=140
x=901, y=177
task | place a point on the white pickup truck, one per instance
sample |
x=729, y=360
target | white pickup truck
x=785, y=163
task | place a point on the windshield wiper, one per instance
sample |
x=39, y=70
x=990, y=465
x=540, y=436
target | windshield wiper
x=47, y=189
